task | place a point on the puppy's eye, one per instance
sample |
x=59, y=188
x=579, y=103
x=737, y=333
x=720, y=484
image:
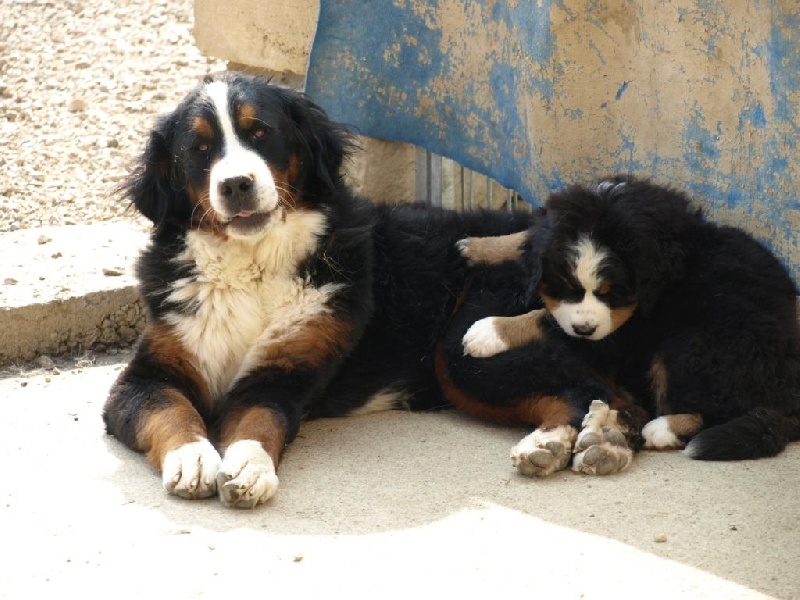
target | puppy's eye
x=260, y=133
x=604, y=291
x=203, y=147
x=568, y=285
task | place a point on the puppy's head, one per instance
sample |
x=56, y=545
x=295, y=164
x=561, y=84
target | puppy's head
x=237, y=154
x=610, y=251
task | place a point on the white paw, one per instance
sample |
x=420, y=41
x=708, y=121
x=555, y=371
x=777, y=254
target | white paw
x=463, y=249
x=482, y=341
x=658, y=435
x=544, y=452
x=601, y=448
x=247, y=476
x=191, y=470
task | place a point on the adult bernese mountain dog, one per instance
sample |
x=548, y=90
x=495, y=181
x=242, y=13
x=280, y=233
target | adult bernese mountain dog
x=632, y=293
x=273, y=293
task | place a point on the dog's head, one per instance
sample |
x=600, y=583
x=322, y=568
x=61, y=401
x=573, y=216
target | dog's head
x=236, y=154
x=610, y=250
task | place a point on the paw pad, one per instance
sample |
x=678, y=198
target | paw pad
x=544, y=452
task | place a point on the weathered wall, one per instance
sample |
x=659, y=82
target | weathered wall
x=540, y=93
x=701, y=93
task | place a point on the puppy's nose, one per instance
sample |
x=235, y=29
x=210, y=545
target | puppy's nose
x=235, y=188
x=584, y=330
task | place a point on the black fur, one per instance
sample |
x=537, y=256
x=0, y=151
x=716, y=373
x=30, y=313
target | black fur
x=396, y=270
x=714, y=309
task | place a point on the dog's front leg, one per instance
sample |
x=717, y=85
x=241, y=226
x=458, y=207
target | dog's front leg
x=251, y=439
x=291, y=362
x=154, y=408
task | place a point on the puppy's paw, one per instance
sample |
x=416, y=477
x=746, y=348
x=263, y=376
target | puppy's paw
x=671, y=432
x=190, y=471
x=595, y=456
x=463, y=247
x=482, y=339
x=247, y=476
x=601, y=447
x=544, y=452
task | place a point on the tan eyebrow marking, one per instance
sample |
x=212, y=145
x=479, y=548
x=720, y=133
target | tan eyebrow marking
x=247, y=116
x=203, y=127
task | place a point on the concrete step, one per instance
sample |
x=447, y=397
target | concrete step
x=69, y=288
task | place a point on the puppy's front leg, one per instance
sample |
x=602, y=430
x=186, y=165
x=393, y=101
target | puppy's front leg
x=493, y=335
x=493, y=250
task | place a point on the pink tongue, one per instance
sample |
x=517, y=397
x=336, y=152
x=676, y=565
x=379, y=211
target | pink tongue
x=244, y=214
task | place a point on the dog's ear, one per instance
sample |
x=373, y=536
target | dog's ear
x=150, y=186
x=327, y=144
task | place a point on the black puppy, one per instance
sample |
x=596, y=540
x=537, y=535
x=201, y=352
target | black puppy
x=697, y=321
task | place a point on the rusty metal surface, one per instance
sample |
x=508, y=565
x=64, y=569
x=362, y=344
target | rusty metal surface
x=704, y=94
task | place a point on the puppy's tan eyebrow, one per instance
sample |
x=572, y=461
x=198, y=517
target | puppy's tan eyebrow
x=247, y=116
x=203, y=128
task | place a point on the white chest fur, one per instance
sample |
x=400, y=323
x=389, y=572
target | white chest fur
x=245, y=293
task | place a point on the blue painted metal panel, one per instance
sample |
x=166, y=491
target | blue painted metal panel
x=537, y=94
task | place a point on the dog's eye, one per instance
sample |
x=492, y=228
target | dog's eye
x=203, y=147
x=260, y=133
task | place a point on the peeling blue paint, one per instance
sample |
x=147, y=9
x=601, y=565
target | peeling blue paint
x=622, y=89
x=753, y=115
x=381, y=66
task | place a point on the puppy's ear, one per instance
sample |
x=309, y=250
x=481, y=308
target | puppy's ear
x=533, y=254
x=658, y=262
x=149, y=187
x=657, y=220
x=327, y=143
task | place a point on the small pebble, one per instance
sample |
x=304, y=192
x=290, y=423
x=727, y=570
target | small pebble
x=660, y=538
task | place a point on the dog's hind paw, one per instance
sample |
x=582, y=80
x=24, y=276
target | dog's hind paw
x=247, y=475
x=544, y=452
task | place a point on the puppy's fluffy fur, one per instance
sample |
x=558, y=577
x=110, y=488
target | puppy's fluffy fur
x=631, y=285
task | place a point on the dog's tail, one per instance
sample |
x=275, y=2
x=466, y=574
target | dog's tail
x=759, y=433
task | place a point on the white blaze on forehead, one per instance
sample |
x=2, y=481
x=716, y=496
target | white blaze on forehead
x=237, y=160
x=588, y=259
x=218, y=92
x=589, y=313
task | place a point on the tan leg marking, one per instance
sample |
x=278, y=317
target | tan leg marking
x=671, y=432
x=493, y=250
x=166, y=429
x=493, y=335
x=175, y=441
x=252, y=440
x=659, y=384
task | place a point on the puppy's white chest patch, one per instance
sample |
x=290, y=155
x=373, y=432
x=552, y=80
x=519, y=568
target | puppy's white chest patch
x=240, y=292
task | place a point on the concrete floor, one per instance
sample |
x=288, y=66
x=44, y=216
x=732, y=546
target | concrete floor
x=394, y=504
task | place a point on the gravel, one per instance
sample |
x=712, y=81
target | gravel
x=81, y=82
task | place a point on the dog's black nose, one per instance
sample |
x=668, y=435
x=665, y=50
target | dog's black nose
x=584, y=330
x=235, y=187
